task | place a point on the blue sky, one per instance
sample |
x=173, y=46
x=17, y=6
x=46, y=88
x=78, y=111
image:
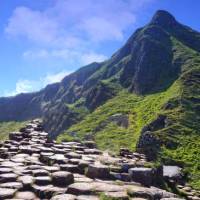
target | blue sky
x=41, y=41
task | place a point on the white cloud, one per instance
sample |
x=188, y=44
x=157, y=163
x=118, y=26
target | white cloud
x=25, y=86
x=42, y=53
x=33, y=25
x=70, y=56
x=70, y=28
x=71, y=20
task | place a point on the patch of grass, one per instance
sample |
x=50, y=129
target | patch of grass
x=7, y=127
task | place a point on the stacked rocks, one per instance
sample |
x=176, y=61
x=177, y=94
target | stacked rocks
x=34, y=167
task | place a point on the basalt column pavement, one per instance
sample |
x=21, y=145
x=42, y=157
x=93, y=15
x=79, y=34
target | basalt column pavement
x=34, y=167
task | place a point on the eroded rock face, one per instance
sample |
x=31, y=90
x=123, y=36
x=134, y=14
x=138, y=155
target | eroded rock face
x=148, y=143
x=33, y=167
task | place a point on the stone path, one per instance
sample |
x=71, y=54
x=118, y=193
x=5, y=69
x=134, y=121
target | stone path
x=33, y=167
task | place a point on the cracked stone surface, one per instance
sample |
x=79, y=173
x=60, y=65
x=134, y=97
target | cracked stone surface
x=34, y=167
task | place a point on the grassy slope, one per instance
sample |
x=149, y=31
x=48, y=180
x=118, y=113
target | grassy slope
x=7, y=127
x=181, y=138
x=140, y=109
x=185, y=117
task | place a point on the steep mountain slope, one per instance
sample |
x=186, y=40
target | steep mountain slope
x=163, y=125
x=164, y=120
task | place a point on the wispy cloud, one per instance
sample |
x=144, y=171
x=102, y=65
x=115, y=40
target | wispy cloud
x=75, y=26
x=25, y=86
x=71, y=56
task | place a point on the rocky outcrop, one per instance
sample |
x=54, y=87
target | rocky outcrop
x=32, y=166
x=148, y=143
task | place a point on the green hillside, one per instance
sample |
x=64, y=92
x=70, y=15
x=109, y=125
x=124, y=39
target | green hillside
x=180, y=102
x=7, y=127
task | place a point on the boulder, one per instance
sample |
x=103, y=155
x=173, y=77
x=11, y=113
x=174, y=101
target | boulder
x=172, y=173
x=62, y=178
x=142, y=175
x=98, y=171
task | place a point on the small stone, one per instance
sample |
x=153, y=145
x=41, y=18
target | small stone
x=40, y=172
x=70, y=168
x=87, y=197
x=73, y=155
x=64, y=197
x=117, y=195
x=43, y=180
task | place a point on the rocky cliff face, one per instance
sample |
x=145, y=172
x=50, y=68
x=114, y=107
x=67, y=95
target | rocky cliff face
x=145, y=64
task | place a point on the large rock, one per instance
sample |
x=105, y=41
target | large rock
x=62, y=178
x=149, y=193
x=145, y=176
x=98, y=171
x=172, y=172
